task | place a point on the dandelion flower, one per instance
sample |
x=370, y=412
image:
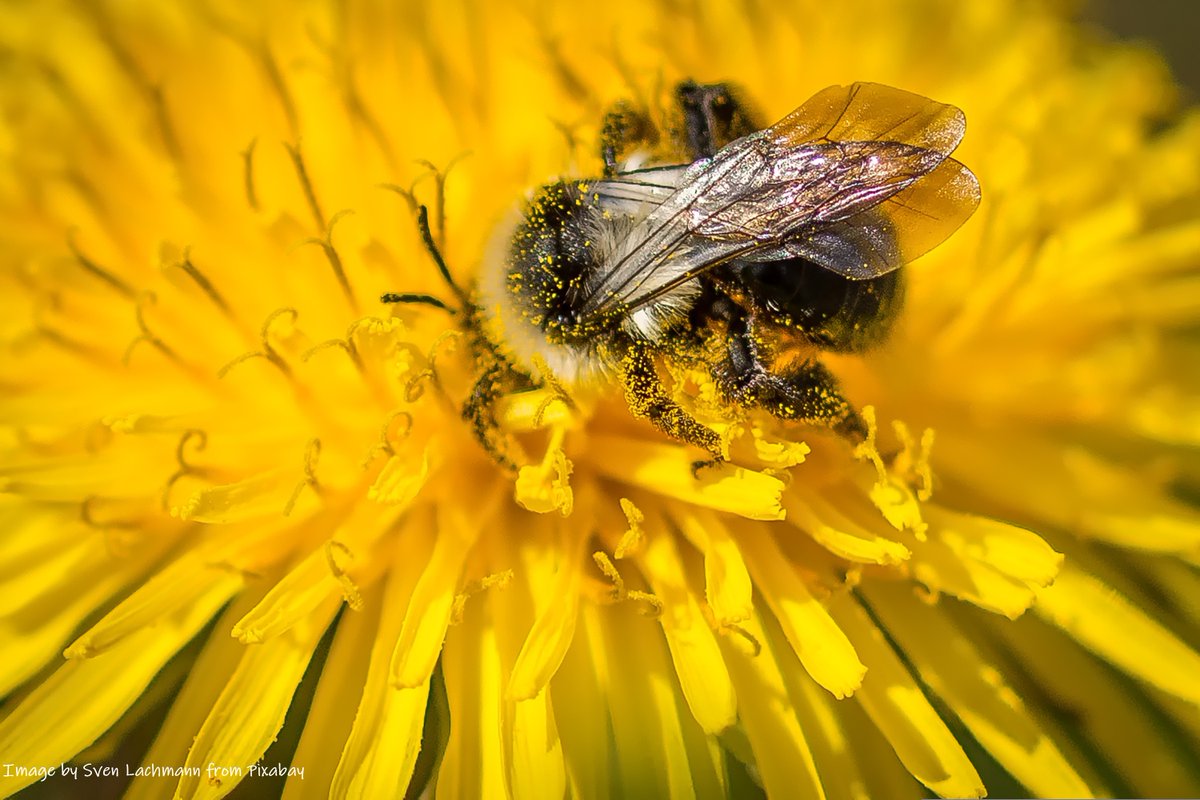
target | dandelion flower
x=239, y=489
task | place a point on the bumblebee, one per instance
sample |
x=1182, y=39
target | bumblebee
x=760, y=249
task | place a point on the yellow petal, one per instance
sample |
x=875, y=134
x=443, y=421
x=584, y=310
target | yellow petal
x=428, y=614
x=660, y=750
x=775, y=452
x=581, y=686
x=37, y=548
x=1168, y=413
x=341, y=567
x=898, y=504
x=837, y=532
x=1130, y=748
x=1076, y=490
x=820, y=644
x=265, y=494
x=1113, y=628
x=668, y=470
x=727, y=585
x=544, y=487
x=339, y=691
x=781, y=750
x=840, y=773
x=691, y=642
x=1128, y=509
x=375, y=339
x=532, y=410
x=940, y=570
x=47, y=602
x=546, y=645
x=247, y=716
x=46, y=728
x=473, y=764
x=856, y=761
x=181, y=583
x=205, y=681
x=381, y=751
x=992, y=564
x=1009, y=549
x=885, y=775
x=976, y=691
x=534, y=751
x=900, y=710
x=854, y=758
x=401, y=478
x=291, y=600
x=1179, y=582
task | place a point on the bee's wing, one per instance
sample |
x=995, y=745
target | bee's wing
x=637, y=193
x=901, y=228
x=872, y=112
x=857, y=179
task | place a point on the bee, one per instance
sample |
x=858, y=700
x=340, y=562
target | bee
x=757, y=251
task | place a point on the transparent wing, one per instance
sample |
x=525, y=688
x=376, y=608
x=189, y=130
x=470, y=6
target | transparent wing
x=638, y=192
x=872, y=112
x=857, y=179
x=897, y=231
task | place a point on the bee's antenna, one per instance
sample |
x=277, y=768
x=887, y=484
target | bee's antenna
x=431, y=246
x=436, y=254
x=411, y=297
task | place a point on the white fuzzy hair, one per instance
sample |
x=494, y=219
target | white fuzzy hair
x=526, y=343
x=650, y=322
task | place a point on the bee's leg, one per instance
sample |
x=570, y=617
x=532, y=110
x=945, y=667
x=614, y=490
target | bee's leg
x=808, y=393
x=646, y=397
x=479, y=411
x=624, y=130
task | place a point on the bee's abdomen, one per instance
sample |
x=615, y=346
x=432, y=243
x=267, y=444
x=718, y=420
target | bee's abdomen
x=830, y=310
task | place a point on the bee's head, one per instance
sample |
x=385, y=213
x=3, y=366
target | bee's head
x=548, y=259
x=561, y=325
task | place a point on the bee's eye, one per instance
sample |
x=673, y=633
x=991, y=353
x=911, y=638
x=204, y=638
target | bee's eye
x=562, y=327
x=563, y=320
